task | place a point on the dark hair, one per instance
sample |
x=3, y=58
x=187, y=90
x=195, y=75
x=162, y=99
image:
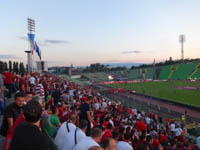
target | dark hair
x=47, y=106
x=106, y=143
x=143, y=146
x=115, y=135
x=127, y=136
x=32, y=111
x=53, y=109
x=96, y=132
x=149, y=138
x=109, y=126
x=29, y=93
x=83, y=124
x=19, y=94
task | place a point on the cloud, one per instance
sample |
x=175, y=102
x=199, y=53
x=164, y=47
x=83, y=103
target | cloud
x=111, y=61
x=8, y=56
x=130, y=52
x=23, y=38
x=55, y=42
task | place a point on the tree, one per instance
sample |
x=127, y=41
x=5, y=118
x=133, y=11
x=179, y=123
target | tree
x=21, y=68
x=14, y=67
x=5, y=66
x=17, y=67
x=1, y=67
x=10, y=66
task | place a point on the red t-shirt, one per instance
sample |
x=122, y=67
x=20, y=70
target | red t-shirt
x=22, y=83
x=8, y=77
x=141, y=125
x=106, y=134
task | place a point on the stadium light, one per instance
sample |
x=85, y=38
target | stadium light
x=31, y=29
x=182, y=40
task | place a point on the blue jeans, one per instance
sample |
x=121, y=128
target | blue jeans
x=2, y=106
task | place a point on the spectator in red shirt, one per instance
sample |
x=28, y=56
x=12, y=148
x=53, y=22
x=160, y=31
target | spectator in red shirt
x=141, y=126
x=8, y=82
x=22, y=84
x=107, y=133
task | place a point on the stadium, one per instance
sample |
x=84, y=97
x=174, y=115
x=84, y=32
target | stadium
x=100, y=75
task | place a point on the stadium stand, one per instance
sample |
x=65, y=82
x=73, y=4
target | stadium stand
x=183, y=71
x=164, y=73
x=96, y=77
x=119, y=75
x=150, y=73
x=135, y=74
x=196, y=72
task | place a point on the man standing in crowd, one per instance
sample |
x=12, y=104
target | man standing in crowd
x=8, y=82
x=88, y=142
x=74, y=137
x=22, y=84
x=86, y=113
x=66, y=127
x=12, y=111
x=124, y=145
x=27, y=135
x=52, y=122
x=56, y=95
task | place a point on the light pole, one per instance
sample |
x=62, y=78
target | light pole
x=31, y=30
x=182, y=40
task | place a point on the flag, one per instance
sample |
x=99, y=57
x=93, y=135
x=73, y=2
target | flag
x=31, y=38
x=37, y=49
x=154, y=63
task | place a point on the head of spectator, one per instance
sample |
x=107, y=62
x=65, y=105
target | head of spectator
x=127, y=137
x=149, y=139
x=95, y=148
x=28, y=96
x=96, y=134
x=143, y=146
x=73, y=118
x=115, y=136
x=83, y=125
x=39, y=99
x=109, y=127
x=55, y=110
x=32, y=112
x=109, y=144
x=90, y=99
x=19, y=99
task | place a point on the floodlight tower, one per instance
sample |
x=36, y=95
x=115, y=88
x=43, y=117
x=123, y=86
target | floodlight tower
x=31, y=30
x=182, y=40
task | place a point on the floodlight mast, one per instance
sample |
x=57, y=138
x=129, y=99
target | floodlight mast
x=182, y=41
x=31, y=30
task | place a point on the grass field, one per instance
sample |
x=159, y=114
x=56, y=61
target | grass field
x=165, y=90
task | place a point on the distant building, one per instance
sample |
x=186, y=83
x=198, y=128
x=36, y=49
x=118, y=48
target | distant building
x=41, y=66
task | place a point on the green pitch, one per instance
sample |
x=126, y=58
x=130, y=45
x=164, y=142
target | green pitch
x=166, y=90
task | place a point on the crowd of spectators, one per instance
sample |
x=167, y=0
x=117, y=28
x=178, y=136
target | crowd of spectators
x=50, y=113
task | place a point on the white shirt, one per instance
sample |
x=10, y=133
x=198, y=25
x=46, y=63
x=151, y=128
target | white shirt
x=178, y=131
x=172, y=127
x=121, y=145
x=32, y=80
x=85, y=144
x=97, y=106
x=148, y=120
x=69, y=140
x=138, y=116
x=62, y=132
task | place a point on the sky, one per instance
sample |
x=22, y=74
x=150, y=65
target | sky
x=81, y=32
